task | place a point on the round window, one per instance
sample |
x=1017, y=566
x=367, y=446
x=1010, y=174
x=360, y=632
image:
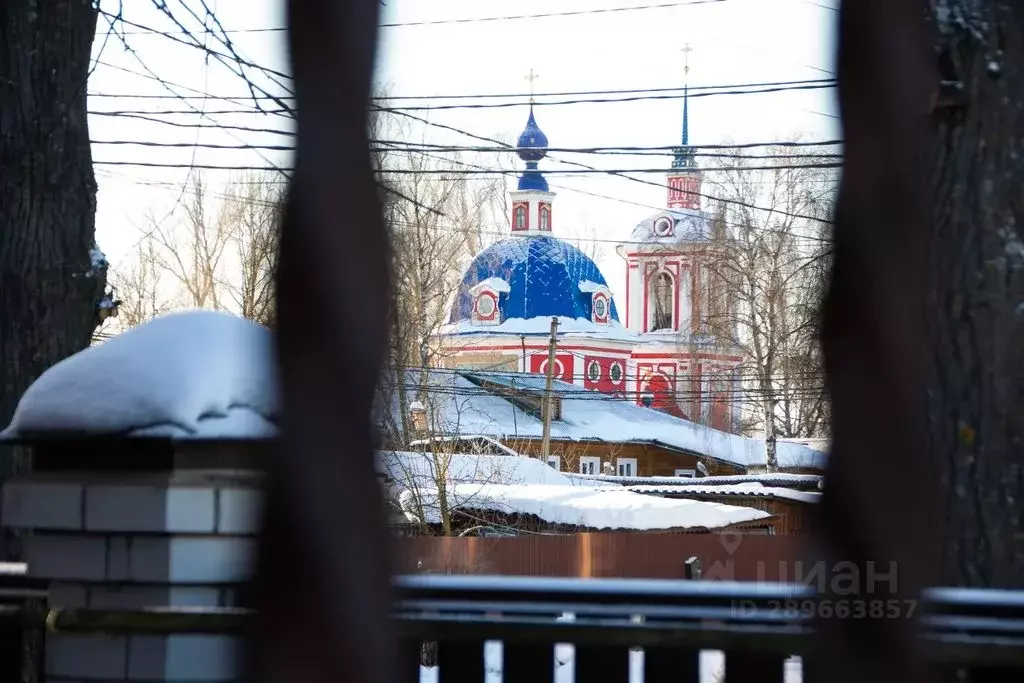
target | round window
x=600, y=307
x=663, y=226
x=594, y=371
x=485, y=306
x=615, y=373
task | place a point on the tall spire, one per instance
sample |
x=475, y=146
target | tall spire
x=683, y=156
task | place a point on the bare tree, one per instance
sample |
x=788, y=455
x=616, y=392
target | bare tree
x=221, y=255
x=254, y=235
x=765, y=279
x=192, y=251
x=137, y=286
x=439, y=217
x=438, y=476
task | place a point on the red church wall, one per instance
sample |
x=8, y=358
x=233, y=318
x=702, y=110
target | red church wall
x=721, y=413
x=563, y=365
x=610, y=375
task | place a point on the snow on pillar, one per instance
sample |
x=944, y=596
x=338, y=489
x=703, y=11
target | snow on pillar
x=162, y=514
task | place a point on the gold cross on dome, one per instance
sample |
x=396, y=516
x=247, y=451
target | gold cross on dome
x=686, y=56
x=531, y=77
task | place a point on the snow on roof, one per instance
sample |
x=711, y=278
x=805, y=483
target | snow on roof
x=414, y=469
x=780, y=479
x=461, y=407
x=752, y=489
x=572, y=327
x=197, y=374
x=468, y=439
x=579, y=506
x=589, y=287
x=493, y=283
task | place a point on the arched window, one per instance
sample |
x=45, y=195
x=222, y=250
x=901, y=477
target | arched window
x=662, y=302
x=520, y=218
x=545, y=218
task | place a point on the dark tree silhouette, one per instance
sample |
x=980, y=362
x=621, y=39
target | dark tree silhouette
x=51, y=275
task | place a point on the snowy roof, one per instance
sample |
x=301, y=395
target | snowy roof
x=589, y=287
x=414, y=469
x=688, y=225
x=493, y=283
x=540, y=326
x=742, y=490
x=579, y=506
x=459, y=406
x=778, y=479
x=197, y=374
x=466, y=441
x=543, y=274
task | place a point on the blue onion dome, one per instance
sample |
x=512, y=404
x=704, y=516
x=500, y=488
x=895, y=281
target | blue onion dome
x=543, y=274
x=532, y=144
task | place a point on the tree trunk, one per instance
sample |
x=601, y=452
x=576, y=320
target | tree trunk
x=977, y=268
x=50, y=285
x=771, y=459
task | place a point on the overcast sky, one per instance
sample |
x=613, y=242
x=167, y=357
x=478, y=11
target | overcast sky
x=733, y=42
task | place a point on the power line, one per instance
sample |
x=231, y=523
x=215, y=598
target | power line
x=622, y=174
x=547, y=15
x=628, y=91
x=517, y=103
x=693, y=89
x=636, y=151
x=602, y=100
x=466, y=20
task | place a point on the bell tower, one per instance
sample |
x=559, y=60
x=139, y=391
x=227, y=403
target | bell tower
x=532, y=200
x=684, y=178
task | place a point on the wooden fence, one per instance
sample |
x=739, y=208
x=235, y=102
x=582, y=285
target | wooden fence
x=602, y=555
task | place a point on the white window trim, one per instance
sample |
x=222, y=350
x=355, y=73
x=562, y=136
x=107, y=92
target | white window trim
x=631, y=462
x=622, y=372
x=555, y=462
x=590, y=460
x=687, y=474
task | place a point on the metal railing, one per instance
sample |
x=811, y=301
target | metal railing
x=608, y=622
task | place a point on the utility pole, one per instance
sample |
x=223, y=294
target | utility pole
x=545, y=443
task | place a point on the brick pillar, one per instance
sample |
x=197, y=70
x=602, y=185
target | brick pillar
x=179, y=531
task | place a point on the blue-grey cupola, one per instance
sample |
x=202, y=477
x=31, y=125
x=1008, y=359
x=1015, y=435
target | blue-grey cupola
x=532, y=147
x=531, y=200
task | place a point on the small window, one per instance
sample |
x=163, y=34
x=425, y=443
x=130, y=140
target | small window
x=520, y=217
x=594, y=371
x=625, y=467
x=545, y=218
x=555, y=463
x=686, y=474
x=590, y=464
x=663, y=226
x=615, y=373
x=485, y=306
x=600, y=307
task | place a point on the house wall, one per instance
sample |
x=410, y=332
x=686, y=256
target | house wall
x=652, y=461
x=133, y=539
x=791, y=517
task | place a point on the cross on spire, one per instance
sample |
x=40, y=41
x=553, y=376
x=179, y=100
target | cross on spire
x=531, y=77
x=686, y=56
x=686, y=94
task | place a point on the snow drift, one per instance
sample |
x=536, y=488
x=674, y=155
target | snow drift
x=577, y=506
x=187, y=375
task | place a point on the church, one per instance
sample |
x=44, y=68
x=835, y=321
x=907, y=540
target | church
x=655, y=348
